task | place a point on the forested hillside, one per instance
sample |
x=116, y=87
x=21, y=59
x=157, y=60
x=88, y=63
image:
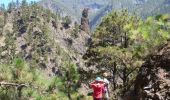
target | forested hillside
x=47, y=51
x=39, y=54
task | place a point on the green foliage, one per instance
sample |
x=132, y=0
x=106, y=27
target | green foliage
x=9, y=48
x=70, y=79
x=24, y=3
x=48, y=15
x=1, y=21
x=67, y=21
x=41, y=87
x=75, y=31
x=121, y=42
x=110, y=31
x=2, y=7
x=150, y=34
x=40, y=48
x=9, y=6
x=21, y=72
x=17, y=72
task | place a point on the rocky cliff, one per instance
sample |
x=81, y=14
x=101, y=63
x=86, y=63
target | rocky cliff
x=153, y=80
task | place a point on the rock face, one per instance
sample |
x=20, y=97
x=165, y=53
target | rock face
x=85, y=21
x=153, y=80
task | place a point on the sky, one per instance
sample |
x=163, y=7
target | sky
x=7, y=1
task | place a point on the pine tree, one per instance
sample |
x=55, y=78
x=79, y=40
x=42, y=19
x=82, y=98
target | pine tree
x=109, y=50
x=24, y=3
x=13, y=5
x=17, y=3
x=10, y=6
x=2, y=7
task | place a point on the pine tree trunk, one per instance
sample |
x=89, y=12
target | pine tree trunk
x=126, y=41
x=69, y=96
x=114, y=75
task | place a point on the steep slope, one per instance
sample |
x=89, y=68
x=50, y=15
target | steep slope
x=39, y=37
x=41, y=53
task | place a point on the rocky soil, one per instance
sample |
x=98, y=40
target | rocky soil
x=153, y=80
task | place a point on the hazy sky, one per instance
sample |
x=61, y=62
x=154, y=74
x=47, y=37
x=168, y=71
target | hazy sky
x=7, y=1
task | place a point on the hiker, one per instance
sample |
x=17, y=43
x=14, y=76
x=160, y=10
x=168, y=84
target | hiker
x=98, y=87
x=106, y=87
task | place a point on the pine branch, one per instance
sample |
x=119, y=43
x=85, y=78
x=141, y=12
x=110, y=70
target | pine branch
x=14, y=84
x=20, y=86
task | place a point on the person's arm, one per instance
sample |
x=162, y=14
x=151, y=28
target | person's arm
x=92, y=84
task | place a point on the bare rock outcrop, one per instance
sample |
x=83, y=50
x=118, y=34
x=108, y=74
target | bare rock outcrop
x=153, y=80
x=85, y=21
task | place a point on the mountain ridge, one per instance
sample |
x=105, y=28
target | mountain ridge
x=142, y=8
